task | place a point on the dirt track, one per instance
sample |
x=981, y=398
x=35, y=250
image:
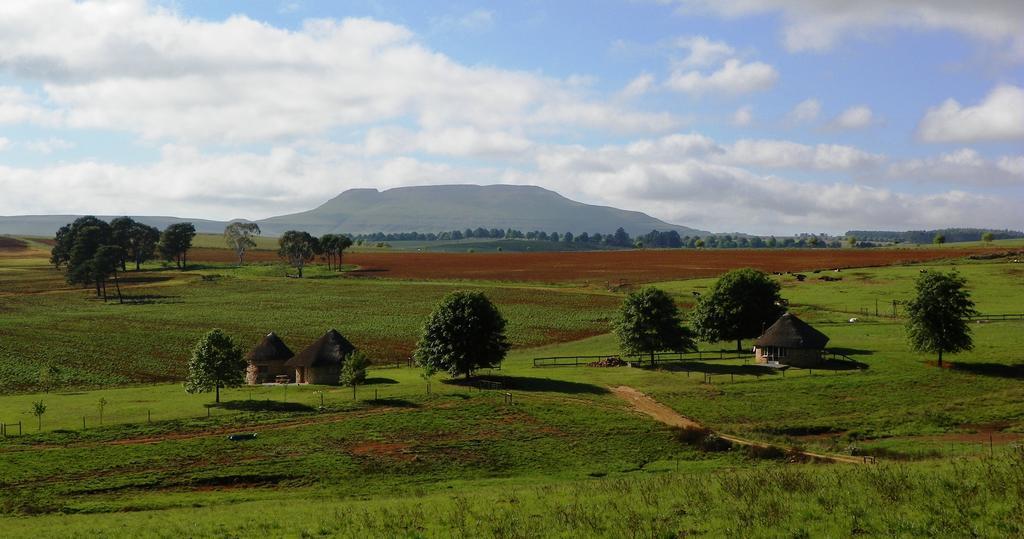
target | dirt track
x=641, y=402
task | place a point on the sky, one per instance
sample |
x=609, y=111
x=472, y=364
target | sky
x=760, y=116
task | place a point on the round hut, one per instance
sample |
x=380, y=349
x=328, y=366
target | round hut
x=320, y=362
x=791, y=341
x=267, y=360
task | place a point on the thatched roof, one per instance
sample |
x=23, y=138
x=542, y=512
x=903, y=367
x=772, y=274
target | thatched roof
x=791, y=332
x=270, y=348
x=330, y=349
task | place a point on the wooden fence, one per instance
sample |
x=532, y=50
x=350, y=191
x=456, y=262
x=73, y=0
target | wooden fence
x=660, y=357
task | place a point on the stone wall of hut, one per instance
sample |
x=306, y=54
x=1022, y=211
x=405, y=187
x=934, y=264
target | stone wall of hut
x=271, y=370
x=797, y=357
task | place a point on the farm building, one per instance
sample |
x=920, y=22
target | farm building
x=320, y=362
x=267, y=360
x=791, y=341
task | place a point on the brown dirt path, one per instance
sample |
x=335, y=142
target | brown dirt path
x=643, y=403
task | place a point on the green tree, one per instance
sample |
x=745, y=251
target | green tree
x=38, y=409
x=121, y=235
x=465, y=332
x=740, y=305
x=142, y=243
x=105, y=263
x=216, y=362
x=851, y=241
x=353, y=371
x=648, y=322
x=987, y=237
x=175, y=242
x=939, y=239
x=75, y=249
x=297, y=248
x=239, y=236
x=938, y=314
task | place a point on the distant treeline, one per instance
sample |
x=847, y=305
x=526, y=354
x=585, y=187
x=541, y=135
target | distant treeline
x=951, y=235
x=620, y=238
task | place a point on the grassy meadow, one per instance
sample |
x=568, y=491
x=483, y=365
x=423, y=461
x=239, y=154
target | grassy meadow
x=566, y=457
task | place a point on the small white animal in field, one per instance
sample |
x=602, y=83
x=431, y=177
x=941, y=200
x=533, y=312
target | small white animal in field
x=853, y=320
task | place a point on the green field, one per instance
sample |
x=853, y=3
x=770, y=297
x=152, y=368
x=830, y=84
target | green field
x=566, y=457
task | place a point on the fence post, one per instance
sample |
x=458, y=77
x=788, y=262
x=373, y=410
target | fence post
x=83, y=422
x=149, y=413
x=19, y=428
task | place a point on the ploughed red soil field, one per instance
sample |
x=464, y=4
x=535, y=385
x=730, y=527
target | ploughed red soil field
x=607, y=266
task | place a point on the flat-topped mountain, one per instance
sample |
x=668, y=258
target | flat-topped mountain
x=456, y=207
x=433, y=208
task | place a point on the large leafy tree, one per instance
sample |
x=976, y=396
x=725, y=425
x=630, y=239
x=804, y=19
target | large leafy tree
x=937, y=316
x=175, y=242
x=297, y=248
x=216, y=362
x=239, y=236
x=142, y=242
x=465, y=332
x=740, y=305
x=105, y=263
x=333, y=246
x=121, y=235
x=649, y=321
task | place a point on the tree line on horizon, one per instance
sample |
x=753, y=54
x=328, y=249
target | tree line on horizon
x=658, y=239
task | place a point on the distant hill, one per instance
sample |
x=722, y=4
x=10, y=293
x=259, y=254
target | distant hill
x=953, y=235
x=456, y=207
x=434, y=208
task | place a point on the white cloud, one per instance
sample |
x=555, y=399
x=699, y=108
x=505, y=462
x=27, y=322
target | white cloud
x=49, y=145
x=743, y=116
x=686, y=178
x=17, y=107
x=132, y=67
x=638, y=86
x=1000, y=116
x=786, y=154
x=818, y=24
x=805, y=111
x=702, y=51
x=5, y=143
x=719, y=196
x=964, y=168
x=477, y=20
x=857, y=117
x=734, y=78
x=454, y=141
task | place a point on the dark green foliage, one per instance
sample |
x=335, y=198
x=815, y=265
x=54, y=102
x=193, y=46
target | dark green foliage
x=121, y=234
x=740, y=305
x=142, y=243
x=465, y=332
x=939, y=239
x=216, y=362
x=75, y=249
x=175, y=242
x=297, y=248
x=952, y=235
x=104, y=265
x=937, y=316
x=648, y=321
x=333, y=247
x=353, y=371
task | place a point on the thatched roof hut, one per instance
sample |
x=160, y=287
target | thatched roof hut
x=267, y=360
x=320, y=362
x=790, y=341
